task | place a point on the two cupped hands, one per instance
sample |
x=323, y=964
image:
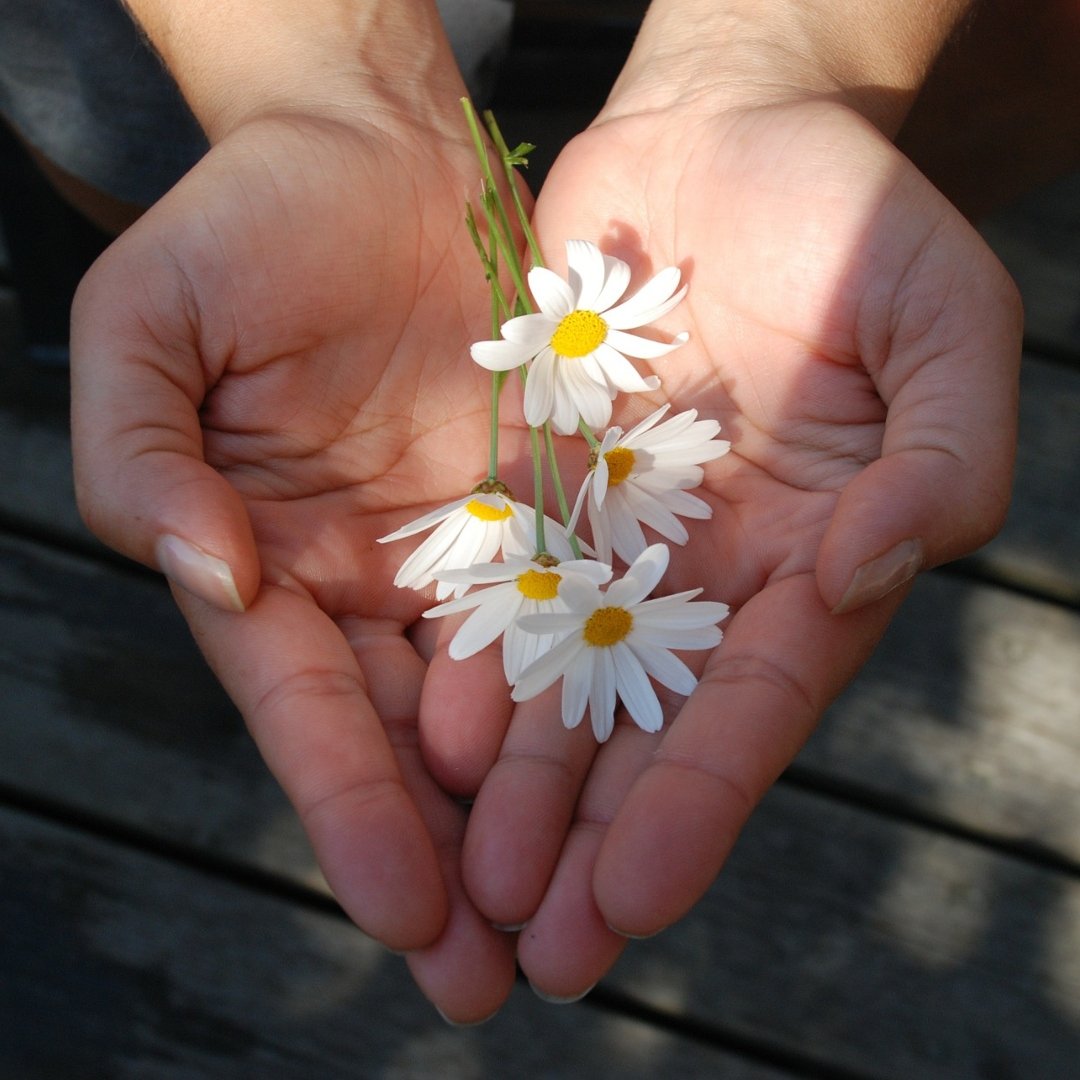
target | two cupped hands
x=271, y=371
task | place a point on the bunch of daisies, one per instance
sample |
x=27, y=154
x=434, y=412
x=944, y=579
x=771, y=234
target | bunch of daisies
x=533, y=581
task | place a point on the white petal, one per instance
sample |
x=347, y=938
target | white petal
x=705, y=637
x=549, y=622
x=587, y=272
x=659, y=295
x=543, y=671
x=500, y=355
x=650, y=511
x=455, y=607
x=533, y=330
x=580, y=594
x=426, y=521
x=677, y=613
x=643, y=348
x=617, y=278
x=602, y=693
x=540, y=389
x=591, y=400
x=619, y=526
x=486, y=623
x=659, y=479
x=641, y=577
x=621, y=374
x=483, y=573
x=415, y=571
x=601, y=534
x=553, y=296
x=666, y=668
x=579, y=502
x=596, y=572
x=635, y=433
x=577, y=681
x=635, y=690
x=521, y=649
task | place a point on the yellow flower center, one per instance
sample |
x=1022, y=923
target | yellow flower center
x=485, y=512
x=607, y=626
x=579, y=334
x=620, y=464
x=538, y=584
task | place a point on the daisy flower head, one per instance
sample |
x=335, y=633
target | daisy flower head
x=642, y=477
x=579, y=340
x=468, y=530
x=615, y=640
x=517, y=586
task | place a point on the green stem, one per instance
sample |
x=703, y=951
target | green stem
x=560, y=493
x=538, y=490
x=502, y=230
x=491, y=271
x=511, y=178
x=590, y=438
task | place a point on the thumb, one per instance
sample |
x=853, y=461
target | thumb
x=941, y=486
x=142, y=483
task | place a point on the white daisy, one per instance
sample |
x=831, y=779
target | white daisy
x=472, y=529
x=578, y=341
x=615, y=640
x=517, y=586
x=641, y=478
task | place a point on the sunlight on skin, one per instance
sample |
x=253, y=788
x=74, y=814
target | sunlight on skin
x=777, y=353
x=337, y=403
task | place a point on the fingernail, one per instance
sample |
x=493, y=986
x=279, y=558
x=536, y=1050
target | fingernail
x=879, y=576
x=556, y=999
x=205, y=576
x=635, y=937
x=465, y=1023
x=509, y=928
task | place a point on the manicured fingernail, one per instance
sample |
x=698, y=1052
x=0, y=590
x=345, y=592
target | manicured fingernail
x=874, y=579
x=205, y=576
x=509, y=928
x=556, y=999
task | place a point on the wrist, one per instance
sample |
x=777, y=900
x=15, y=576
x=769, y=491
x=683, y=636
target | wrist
x=237, y=60
x=713, y=56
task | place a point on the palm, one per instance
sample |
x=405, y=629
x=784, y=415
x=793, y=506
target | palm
x=815, y=296
x=328, y=293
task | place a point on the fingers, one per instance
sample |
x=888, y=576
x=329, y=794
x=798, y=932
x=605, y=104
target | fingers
x=293, y=675
x=523, y=810
x=568, y=946
x=941, y=486
x=137, y=385
x=784, y=658
x=464, y=710
x=468, y=972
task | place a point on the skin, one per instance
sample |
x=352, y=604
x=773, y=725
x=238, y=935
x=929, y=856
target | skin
x=272, y=365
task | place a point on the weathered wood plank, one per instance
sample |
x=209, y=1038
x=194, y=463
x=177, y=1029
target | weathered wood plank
x=1039, y=547
x=834, y=931
x=889, y=950
x=108, y=709
x=1038, y=240
x=968, y=712
x=117, y=965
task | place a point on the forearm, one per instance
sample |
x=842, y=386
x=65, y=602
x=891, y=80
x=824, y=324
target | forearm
x=237, y=59
x=873, y=55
